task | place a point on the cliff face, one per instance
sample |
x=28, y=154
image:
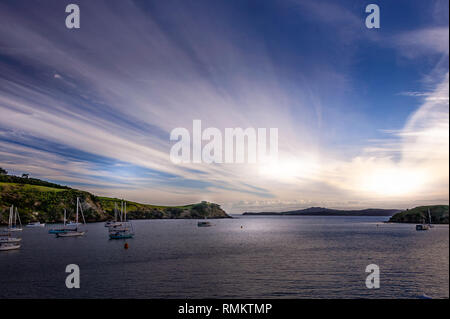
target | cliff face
x=439, y=215
x=37, y=202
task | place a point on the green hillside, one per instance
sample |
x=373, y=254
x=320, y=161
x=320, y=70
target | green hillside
x=439, y=215
x=45, y=202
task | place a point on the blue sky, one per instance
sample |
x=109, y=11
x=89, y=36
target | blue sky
x=362, y=113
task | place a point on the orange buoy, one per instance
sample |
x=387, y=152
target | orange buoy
x=125, y=246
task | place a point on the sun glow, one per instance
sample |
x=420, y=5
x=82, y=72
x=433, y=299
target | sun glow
x=393, y=182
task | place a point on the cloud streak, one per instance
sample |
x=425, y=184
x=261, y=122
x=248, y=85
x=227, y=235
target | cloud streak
x=95, y=107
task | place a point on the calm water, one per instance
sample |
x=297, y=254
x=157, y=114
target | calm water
x=270, y=257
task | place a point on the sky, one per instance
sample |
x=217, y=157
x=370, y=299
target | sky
x=362, y=114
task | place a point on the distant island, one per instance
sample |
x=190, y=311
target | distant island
x=439, y=215
x=39, y=200
x=320, y=211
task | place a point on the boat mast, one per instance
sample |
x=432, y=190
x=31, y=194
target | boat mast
x=429, y=217
x=18, y=216
x=11, y=209
x=64, y=217
x=76, y=218
x=82, y=214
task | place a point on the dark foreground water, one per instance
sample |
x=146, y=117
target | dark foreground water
x=269, y=257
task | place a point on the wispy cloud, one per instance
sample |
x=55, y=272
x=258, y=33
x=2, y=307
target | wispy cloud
x=95, y=107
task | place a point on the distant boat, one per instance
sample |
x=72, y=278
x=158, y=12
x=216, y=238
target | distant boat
x=6, y=238
x=114, y=223
x=424, y=226
x=13, y=218
x=64, y=229
x=9, y=246
x=35, y=224
x=74, y=224
x=124, y=229
x=74, y=232
x=204, y=223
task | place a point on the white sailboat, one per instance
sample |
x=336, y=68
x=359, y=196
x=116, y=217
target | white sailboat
x=124, y=229
x=35, y=224
x=7, y=242
x=9, y=246
x=115, y=222
x=13, y=218
x=424, y=226
x=66, y=227
x=75, y=232
x=6, y=238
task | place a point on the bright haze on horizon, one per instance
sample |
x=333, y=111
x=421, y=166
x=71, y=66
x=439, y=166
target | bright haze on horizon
x=362, y=114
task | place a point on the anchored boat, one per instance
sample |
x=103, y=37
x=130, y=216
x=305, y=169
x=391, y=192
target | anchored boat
x=64, y=229
x=424, y=226
x=123, y=229
x=114, y=223
x=9, y=246
x=6, y=238
x=204, y=223
x=35, y=225
x=13, y=218
x=74, y=232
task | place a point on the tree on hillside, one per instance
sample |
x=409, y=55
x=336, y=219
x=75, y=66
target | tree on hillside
x=25, y=175
x=3, y=171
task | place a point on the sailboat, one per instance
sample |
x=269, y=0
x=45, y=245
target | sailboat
x=13, y=217
x=64, y=229
x=7, y=242
x=6, y=238
x=75, y=232
x=124, y=229
x=9, y=246
x=424, y=226
x=114, y=223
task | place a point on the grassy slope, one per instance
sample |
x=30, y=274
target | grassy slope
x=47, y=204
x=439, y=215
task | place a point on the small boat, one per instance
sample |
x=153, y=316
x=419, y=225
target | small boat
x=114, y=223
x=6, y=238
x=64, y=229
x=35, y=225
x=73, y=224
x=73, y=232
x=424, y=226
x=10, y=240
x=13, y=218
x=120, y=235
x=9, y=246
x=204, y=224
x=122, y=229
